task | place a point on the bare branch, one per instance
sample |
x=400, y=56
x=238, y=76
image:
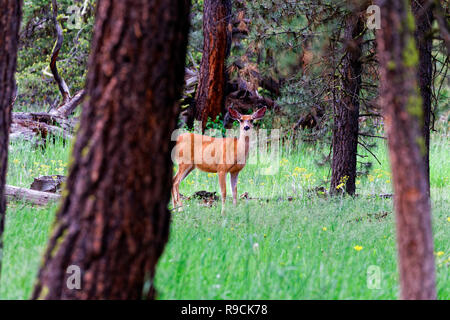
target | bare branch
x=69, y=107
x=368, y=150
x=63, y=88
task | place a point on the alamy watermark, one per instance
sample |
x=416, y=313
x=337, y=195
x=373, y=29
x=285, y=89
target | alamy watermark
x=73, y=281
x=374, y=17
x=374, y=277
x=255, y=147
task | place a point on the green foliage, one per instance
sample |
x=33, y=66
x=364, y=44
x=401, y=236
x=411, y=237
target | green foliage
x=36, y=87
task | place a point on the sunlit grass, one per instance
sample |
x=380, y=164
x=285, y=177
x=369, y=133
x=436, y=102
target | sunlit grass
x=292, y=243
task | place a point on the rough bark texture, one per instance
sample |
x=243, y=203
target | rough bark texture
x=114, y=222
x=10, y=15
x=402, y=107
x=210, y=96
x=424, y=39
x=346, y=110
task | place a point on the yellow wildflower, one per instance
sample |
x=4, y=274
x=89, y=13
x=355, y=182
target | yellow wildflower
x=300, y=170
x=16, y=161
x=439, y=253
x=358, y=248
x=324, y=229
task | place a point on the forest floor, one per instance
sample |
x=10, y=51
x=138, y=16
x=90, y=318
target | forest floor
x=307, y=247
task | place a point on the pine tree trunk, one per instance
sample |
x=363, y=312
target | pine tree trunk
x=114, y=222
x=210, y=95
x=403, y=114
x=424, y=39
x=346, y=111
x=10, y=16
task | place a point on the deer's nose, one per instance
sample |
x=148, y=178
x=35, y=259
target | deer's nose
x=246, y=128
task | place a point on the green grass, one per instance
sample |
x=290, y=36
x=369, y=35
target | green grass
x=276, y=249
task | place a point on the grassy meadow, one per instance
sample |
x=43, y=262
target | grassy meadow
x=307, y=247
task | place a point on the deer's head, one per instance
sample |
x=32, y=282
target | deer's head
x=246, y=121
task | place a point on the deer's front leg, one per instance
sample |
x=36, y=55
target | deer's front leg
x=223, y=188
x=234, y=180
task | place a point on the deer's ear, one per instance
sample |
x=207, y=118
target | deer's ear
x=234, y=114
x=259, y=114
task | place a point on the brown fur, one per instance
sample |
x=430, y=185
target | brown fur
x=222, y=156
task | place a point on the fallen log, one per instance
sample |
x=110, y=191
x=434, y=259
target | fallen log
x=43, y=117
x=39, y=126
x=35, y=197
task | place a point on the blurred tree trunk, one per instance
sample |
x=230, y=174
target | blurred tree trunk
x=114, y=223
x=346, y=110
x=10, y=16
x=403, y=114
x=423, y=14
x=210, y=95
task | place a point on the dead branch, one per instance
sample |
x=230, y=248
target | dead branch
x=368, y=150
x=63, y=88
x=371, y=135
x=66, y=109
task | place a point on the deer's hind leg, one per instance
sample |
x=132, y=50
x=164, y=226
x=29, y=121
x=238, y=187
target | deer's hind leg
x=183, y=171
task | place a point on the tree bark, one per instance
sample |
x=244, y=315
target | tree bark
x=10, y=16
x=403, y=114
x=114, y=222
x=346, y=110
x=210, y=95
x=423, y=14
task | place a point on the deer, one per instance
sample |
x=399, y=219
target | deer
x=215, y=155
